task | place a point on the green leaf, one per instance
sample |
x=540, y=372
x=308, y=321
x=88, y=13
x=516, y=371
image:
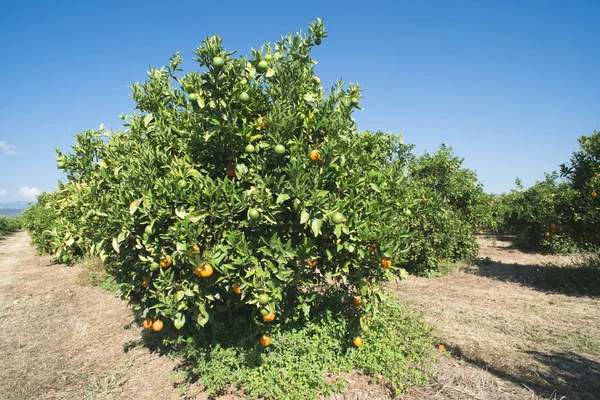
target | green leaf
x=147, y=119
x=134, y=206
x=182, y=247
x=316, y=226
x=180, y=295
x=179, y=320
x=282, y=197
x=115, y=245
x=304, y=216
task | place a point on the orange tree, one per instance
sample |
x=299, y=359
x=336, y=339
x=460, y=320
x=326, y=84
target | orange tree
x=241, y=186
x=554, y=215
x=452, y=210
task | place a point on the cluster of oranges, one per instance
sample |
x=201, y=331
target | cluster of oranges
x=156, y=324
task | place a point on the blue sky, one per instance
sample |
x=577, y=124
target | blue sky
x=510, y=85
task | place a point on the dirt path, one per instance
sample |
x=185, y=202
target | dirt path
x=510, y=338
x=62, y=340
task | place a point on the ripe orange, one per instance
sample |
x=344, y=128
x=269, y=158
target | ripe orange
x=357, y=301
x=269, y=317
x=166, y=262
x=594, y=194
x=236, y=289
x=265, y=341
x=204, y=270
x=441, y=347
x=315, y=155
x=147, y=323
x=157, y=325
x=386, y=262
x=195, y=248
x=146, y=282
x=358, y=341
x=547, y=234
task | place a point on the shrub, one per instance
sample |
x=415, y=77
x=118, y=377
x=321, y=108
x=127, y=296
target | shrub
x=452, y=210
x=241, y=186
x=8, y=225
x=554, y=215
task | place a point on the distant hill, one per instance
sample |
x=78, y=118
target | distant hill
x=18, y=205
x=13, y=208
x=10, y=212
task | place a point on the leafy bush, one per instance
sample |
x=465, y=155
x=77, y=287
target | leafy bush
x=397, y=348
x=452, y=211
x=554, y=215
x=241, y=186
x=8, y=225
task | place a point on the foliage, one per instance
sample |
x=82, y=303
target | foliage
x=397, y=348
x=557, y=215
x=8, y=225
x=214, y=198
x=452, y=211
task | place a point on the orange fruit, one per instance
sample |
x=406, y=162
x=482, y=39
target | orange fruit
x=441, y=347
x=196, y=248
x=314, y=155
x=147, y=323
x=236, y=289
x=204, y=270
x=146, y=282
x=269, y=317
x=547, y=234
x=166, y=262
x=357, y=301
x=157, y=325
x=386, y=262
x=133, y=302
x=358, y=341
x=594, y=194
x=265, y=341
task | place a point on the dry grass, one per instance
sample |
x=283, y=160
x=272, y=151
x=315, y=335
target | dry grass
x=510, y=339
x=62, y=340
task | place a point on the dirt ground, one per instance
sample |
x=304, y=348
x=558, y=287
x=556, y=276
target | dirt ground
x=506, y=338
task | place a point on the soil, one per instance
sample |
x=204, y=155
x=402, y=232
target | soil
x=505, y=338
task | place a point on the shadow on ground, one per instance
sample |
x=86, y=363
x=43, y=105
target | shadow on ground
x=582, y=280
x=564, y=375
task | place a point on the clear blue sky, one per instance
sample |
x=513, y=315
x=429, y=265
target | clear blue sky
x=510, y=85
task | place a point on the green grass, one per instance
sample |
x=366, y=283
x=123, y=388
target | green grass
x=397, y=347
